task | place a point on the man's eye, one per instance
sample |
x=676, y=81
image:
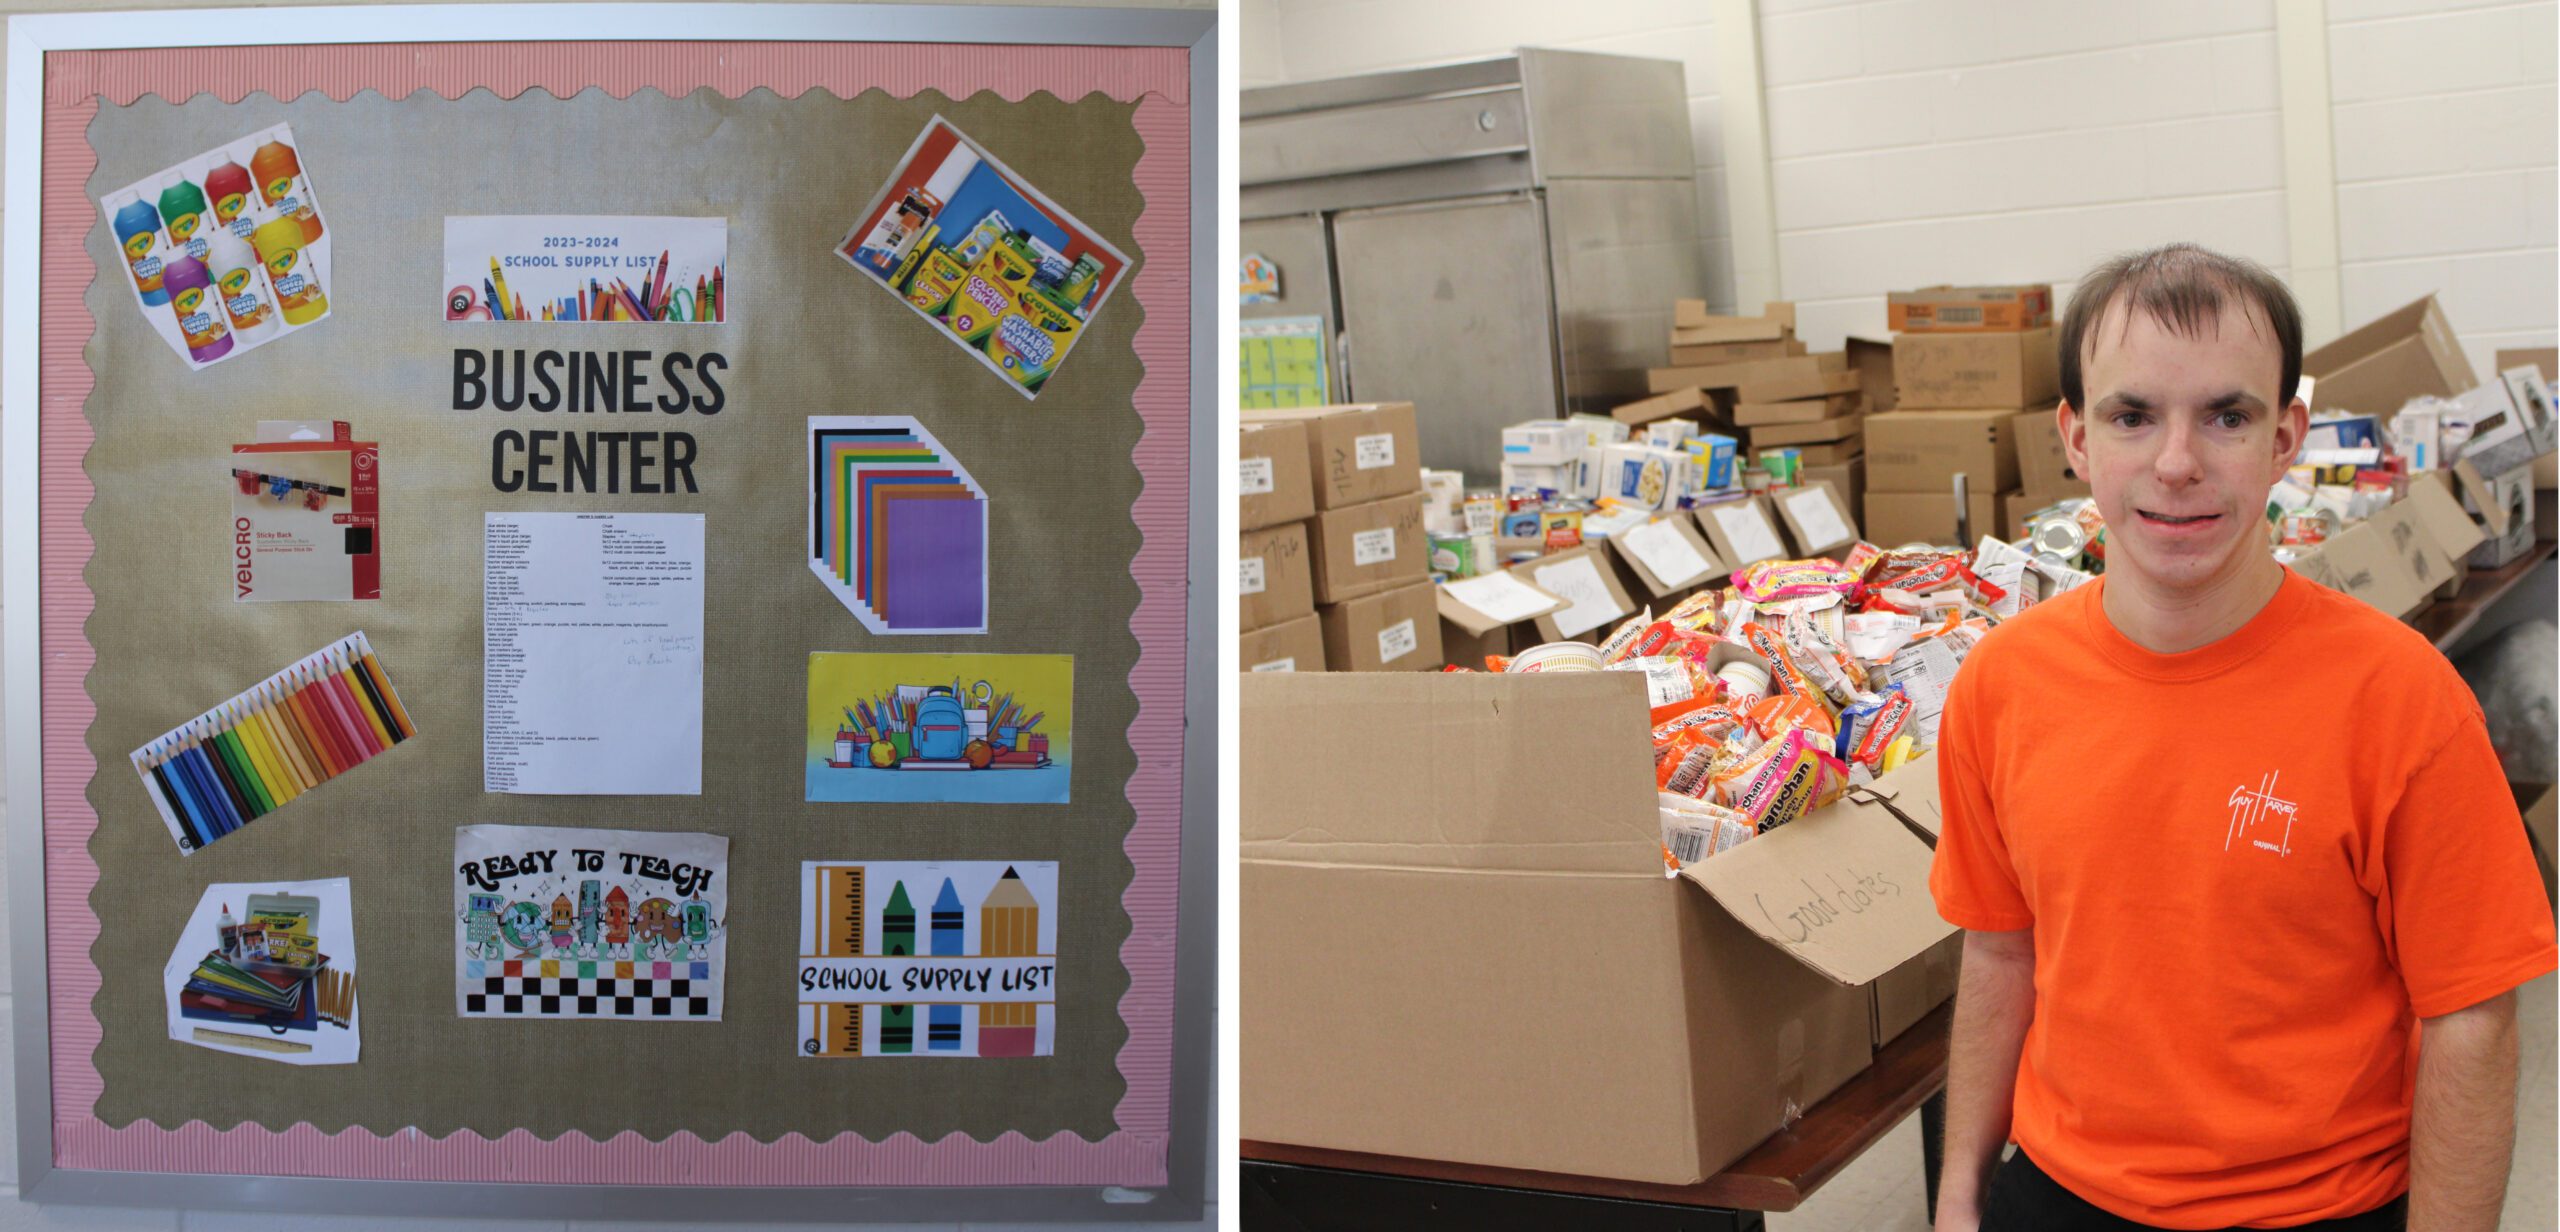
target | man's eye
x=2128, y=419
x=2234, y=420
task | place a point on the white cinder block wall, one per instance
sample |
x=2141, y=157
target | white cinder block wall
x=20, y=1216
x=1920, y=141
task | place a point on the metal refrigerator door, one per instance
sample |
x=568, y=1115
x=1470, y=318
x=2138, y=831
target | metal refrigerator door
x=1449, y=306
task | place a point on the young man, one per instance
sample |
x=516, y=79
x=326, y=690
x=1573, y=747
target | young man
x=2246, y=893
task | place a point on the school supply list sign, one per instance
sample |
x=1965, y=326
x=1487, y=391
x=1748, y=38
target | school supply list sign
x=585, y=267
x=591, y=621
x=916, y=959
x=573, y=923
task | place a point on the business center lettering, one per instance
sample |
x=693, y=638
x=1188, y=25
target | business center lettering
x=592, y=461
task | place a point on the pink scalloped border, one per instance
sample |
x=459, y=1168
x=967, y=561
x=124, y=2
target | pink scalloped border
x=1157, y=78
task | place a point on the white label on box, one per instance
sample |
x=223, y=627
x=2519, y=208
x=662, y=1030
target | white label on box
x=1371, y=547
x=1588, y=603
x=1373, y=451
x=1249, y=581
x=1253, y=476
x=1500, y=596
x=1814, y=514
x=1749, y=533
x=1396, y=641
x=1660, y=545
x=1277, y=665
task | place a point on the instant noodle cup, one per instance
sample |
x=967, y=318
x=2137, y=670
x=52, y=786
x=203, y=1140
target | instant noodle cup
x=1557, y=657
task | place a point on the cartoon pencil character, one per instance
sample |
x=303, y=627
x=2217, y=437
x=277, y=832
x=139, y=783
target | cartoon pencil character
x=481, y=926
x=658, y=928
x=617, y=923
x=564, y=924
x=697, y=928
x=1008, y=927
x=590, y=903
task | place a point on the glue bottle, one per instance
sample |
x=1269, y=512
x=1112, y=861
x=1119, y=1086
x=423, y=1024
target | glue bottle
x=289, y=271
x=234, y=196
x=240, y=281
x=138, y=231
x=286, y=190
x=182, y=213
x=230, y=932
x=191, y=296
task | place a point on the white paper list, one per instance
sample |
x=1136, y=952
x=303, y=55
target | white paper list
x=592, y=647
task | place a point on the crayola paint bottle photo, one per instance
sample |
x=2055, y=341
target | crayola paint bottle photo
x=298, y=289
x=285, y=189
x=227, y=184
x=182, y=214
x=199, y=318
x=239, y=281
x=138, y=232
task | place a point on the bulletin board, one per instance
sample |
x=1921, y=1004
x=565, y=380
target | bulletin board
x=862, y=349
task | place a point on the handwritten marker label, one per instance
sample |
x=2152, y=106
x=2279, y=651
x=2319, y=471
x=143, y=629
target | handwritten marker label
x=1253, y=476
x=1396, y=641
x=1373, y=451
x=1249, y=581
x=1371, y=547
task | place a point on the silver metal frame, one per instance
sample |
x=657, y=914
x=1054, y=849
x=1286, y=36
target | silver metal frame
x=30, y=37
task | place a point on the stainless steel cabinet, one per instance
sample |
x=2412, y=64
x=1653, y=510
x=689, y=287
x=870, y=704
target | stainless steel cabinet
x=1493, y=241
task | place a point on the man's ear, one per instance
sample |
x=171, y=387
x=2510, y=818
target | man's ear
x=2075, y=434
x=2293, y=427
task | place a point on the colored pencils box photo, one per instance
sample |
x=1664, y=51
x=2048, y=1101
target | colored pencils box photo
x=266, y=747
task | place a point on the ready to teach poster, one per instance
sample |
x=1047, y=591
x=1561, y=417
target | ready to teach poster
x=575, y=923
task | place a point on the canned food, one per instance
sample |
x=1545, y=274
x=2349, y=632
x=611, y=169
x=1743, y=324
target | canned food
x=2062, y=540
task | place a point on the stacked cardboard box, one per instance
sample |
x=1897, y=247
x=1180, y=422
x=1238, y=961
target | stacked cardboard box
x=2045, y=474
x=1967, y=363
x=1368, y=558
x=1275, y=585
x=1752, y=375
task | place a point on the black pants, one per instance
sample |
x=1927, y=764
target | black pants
x=2024, y=1199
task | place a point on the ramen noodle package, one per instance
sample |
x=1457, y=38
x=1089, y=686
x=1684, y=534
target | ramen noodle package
x=1781, y=780
x=1773, y=580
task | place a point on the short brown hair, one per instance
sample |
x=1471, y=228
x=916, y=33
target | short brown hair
x=2184, y=288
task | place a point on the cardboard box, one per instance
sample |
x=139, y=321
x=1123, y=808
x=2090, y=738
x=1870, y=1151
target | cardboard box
x=1817, y=432
x=1818, y=520
x=1919, y=451
x=1970, y=309
x=1391, y=631
x=1645, y=476
x=1906, y=994
x=1797, y=385
x=2547, y=359
x=1848, y=478
x=1356, y=453
x=1543, y=442
x=1468, y=634
x=1972, y=371
x=1897, y=518
x=1359, y=549
x=1687, y=400
x=2362, y=563
x=1727, y=376
x=1795, y=411
x=1583, y=577
x=1684, y=356
x=2043, y=465
x=1272, y=484
x=1873, y=362
x=2438, y=508
x=2400, y=355
x=2407, y=537
x=1712, y=331
x=1732, y=996
x=1668, y=556
x=1743, y=531
x=1852, y=447
x=2505, y=507
x=1297, y=646
x=1275, y=576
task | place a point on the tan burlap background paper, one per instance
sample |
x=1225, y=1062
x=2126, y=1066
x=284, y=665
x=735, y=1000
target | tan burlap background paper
x=806, y=335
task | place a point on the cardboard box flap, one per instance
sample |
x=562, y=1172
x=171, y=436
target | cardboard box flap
x=1449, y=770
x=1910, y=793
x=1844, y=891
x=1477, y=623
x=2437, y=509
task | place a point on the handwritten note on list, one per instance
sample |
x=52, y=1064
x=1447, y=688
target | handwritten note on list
x=592, y=654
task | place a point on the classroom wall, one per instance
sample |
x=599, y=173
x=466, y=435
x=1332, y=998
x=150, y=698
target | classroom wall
x=20, y=1216
x=1920, y=141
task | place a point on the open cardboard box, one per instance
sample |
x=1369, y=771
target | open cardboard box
x=2383, y=363
x=1668, y=556
x=1468, y=634
x=1458, y=942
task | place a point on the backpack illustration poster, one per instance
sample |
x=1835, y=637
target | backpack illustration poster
x=924, y=728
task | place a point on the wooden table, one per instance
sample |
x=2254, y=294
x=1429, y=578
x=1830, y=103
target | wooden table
x=1293, y=1188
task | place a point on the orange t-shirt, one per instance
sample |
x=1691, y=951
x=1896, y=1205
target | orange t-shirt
x=2250, y=869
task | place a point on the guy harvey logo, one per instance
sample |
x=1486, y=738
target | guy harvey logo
x=2254, y=818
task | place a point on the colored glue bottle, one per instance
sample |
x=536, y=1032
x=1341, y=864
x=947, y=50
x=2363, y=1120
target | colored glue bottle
x=138, y=230
x=230, y=931
x=286, y=190
x=234, y=196
x=199, y=318
x=238, y=280
x=182, y=213
x=289, y=271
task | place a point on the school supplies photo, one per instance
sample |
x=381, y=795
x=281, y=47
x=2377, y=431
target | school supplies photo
x=897, y=528
x=970, y=246
x=268, y=970
x=225, y=251
x=305, y=515
x=274, y=743
x=586, y=268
